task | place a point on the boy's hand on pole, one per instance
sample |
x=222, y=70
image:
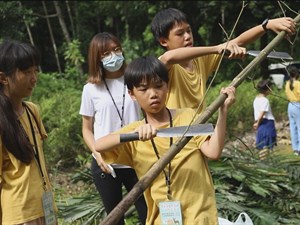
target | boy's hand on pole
x=282, y=24
x=230, y=91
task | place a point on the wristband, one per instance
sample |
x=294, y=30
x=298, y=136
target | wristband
x=264, y=24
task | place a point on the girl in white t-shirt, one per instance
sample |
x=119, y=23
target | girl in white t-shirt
x=264, y=120
x=105, y=108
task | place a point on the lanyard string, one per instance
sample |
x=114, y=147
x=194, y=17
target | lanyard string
x=167, y=175
x=35, y=146
x=113, y=100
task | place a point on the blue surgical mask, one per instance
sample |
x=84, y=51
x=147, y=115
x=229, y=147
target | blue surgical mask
x=113, y=63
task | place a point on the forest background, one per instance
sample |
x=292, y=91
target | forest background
x=62, y=30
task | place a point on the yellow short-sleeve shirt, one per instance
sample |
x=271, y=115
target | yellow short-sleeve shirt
x=22, y=185
x=186, y=89
x=191, y=182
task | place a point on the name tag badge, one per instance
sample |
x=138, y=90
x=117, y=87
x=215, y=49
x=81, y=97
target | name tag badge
x=48, y=207
x=170, y=213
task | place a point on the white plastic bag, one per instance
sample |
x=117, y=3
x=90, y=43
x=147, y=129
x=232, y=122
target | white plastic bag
x=243, y=219
x=223, y=221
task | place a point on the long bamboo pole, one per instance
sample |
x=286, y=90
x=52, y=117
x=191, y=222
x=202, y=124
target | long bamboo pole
x=115, y=215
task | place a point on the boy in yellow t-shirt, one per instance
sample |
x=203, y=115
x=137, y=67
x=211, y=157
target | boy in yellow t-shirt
x=186, y=180
x=189, y=67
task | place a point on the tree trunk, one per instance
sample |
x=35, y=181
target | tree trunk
x=62, y=22
x=27, y=26
x=115, y=215
x=52, y=37
x=71, y=19
x=29, y=34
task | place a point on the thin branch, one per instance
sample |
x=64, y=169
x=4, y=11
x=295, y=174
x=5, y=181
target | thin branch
x=45, y=16
x=52, y=37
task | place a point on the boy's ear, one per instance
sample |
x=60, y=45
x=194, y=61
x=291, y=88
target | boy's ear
x=3, y=78
x=132, y=95
x=163, y=42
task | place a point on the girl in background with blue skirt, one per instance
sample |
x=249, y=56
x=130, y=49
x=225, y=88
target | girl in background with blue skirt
x=264, y=120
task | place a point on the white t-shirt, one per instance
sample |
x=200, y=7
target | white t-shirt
x=96, y=102
x=262, y=104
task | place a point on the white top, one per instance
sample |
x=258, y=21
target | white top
x=262, y=104
x=96, y=102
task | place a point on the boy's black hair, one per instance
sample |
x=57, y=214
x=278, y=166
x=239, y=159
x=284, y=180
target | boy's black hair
x=264, y=85
x=164, y=21
x=146, y=68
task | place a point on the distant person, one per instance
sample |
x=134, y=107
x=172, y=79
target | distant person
x=292, y=90
x=189, y=67
x=106, y=107
x=24, y=181
x=264, y=122
x=184, y=188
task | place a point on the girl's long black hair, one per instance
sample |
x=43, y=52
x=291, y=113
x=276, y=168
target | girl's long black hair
x=293, y=73
x=15, y=55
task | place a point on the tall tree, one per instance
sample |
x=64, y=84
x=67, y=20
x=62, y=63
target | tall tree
x=62, y=22
x=52, y=37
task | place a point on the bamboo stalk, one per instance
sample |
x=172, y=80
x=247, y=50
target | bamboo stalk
x=115, y=215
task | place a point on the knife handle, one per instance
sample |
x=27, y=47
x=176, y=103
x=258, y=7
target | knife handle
x=129, y=137
x=227, y=52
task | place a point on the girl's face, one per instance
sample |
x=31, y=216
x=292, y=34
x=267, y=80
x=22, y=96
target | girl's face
x=150, y=96
x=22, y=83
x=112, y=60
x=180, y=36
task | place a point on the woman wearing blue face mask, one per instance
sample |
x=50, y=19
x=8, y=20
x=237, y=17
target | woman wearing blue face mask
x=106, y=107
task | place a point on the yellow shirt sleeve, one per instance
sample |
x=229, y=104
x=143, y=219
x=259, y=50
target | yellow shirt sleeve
x=186, y=89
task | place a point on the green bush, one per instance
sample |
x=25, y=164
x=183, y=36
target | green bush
x=267, y=190
x=59, y=100
x=60, y=114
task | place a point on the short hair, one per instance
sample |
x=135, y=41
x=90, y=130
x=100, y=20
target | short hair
x=146, y=68
x=264, y=85
x=164, y=21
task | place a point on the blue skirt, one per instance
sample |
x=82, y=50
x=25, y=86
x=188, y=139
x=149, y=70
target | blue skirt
x=266, y=134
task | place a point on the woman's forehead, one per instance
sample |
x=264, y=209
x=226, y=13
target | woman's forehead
x=110, y=46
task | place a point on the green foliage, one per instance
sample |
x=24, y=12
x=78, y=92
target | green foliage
x=267, y=190
x=72, y=54
x=130, y=21
x=63, y=123
x=59, y=100
x=74, y=60
x=86, y=209
x=48, y=84
x=13, y=18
